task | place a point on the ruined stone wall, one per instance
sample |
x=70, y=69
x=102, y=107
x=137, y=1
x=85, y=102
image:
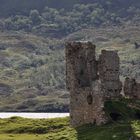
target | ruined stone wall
x=81, y=65
x=109, y=74
x=86, y=104
x=131, y=88
x=89, y=87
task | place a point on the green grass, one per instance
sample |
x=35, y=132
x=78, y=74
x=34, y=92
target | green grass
x=126, y=127
x=59, y=129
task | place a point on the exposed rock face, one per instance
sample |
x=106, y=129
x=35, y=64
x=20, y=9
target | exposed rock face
x=131, y=88
x=88, y=90
x=109, y=74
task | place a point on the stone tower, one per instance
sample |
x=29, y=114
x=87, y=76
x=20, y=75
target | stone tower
x=90, y=82
x=86, y=104
x=109, y=63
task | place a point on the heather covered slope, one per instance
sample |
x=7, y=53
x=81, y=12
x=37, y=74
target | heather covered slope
x=32, y=37
x=32, y=72
x=125, y=126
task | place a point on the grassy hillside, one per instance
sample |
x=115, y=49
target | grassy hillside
x=126, y=126
x=32, y=66
x=31, y=79
x=32, y=72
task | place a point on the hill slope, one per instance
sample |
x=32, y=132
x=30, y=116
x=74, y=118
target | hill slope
x=32, y=72
x=30, y=75
x=13, y=7
x=32, y=66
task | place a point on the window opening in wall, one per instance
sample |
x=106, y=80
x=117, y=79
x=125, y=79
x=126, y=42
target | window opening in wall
x=89, y=99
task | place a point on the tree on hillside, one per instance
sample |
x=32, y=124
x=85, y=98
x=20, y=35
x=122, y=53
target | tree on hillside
x=35, y=17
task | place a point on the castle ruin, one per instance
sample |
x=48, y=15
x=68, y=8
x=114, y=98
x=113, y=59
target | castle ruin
x=132, y=88
x=91, y=82
x=108, y=65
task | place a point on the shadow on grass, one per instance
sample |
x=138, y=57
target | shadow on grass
x=112, y=131
x=124, y=123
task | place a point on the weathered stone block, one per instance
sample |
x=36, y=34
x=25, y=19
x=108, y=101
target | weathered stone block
x=132, y=88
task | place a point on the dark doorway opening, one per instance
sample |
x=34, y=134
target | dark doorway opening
x=89, y=99
x=137, y=115
x=115, y=116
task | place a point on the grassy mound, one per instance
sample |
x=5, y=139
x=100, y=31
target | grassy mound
x=126, y=126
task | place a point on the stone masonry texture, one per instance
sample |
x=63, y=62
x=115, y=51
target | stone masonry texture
x=132, y=88
x=90, y=82
x=109, y=64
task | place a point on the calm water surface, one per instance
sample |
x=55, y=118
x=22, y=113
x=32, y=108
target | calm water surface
x=34, y=115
